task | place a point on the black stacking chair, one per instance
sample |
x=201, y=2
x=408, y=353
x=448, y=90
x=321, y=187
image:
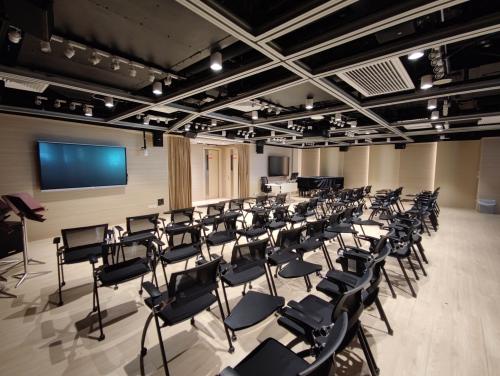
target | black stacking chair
x=315, y=239
x=364, y=260
x=258, y=227
x=79, y=244
x=271, y=358
x=140, y=224
x=312, y=208
x=340, y=223
x=223, y=232
x=213, y=211
x=280, y=200
x=299, y=214
x=141, y=249
x=184, y=243
x=289, y=243
x=178, y=218
x=263, y=187
x=235, y=207
x=278, y=222
x=248, y=263
x=190, y=292
x=307, y=317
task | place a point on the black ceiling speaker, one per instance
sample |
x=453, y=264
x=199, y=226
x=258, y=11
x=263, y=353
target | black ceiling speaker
x=34, y=17
x=400, y=146
x=259, y=147
x=344, y=148
x=190, y=134
x=158, y=139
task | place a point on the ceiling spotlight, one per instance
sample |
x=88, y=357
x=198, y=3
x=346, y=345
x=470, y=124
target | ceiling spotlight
x=108, y=102
x=213, y=122
x=354, y=123
x=445, y=107
x=132, y=72
x=338, y=118
x=186, y=127
x=239, y=132
x=432, y=104
x=151, y=77
x=255, y=115
x=168, y=80
x=435, y=115
x=224, y=133
x=426, y=82
x=157, y=88
x=278, y=111
x=72, y=106
x=356, y=141
x=58, y=103
x=95, y=58
x=415, y=55
x=290, y=124
x=439, y=127
x=38, y=101
x=388, y=139
x=87, y=110
x=442, y=137
x=446, y=125
x=216, y=61
x=317, y=117
x=69, y=51
x=309, y=103
x=115, y=64
x=45, y=46
x=15, y=36
x=146, y=120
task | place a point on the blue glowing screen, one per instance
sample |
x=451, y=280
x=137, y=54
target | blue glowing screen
x=65, y=166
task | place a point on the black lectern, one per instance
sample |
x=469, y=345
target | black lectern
x=25, y=207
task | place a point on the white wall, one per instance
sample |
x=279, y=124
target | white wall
x=258, y=164
x=331, y=162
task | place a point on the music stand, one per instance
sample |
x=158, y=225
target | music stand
x=25, y=207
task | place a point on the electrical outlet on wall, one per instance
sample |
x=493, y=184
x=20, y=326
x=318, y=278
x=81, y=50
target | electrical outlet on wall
x=161, y=202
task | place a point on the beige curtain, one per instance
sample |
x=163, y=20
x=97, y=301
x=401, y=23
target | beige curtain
x=243, y=170
x=179, y=172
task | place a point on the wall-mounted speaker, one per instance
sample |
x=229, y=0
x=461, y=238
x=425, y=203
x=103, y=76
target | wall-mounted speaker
x=399, y=146
x=158, y=139
x=259, y=147
x=343, y=148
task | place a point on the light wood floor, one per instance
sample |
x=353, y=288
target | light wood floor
x=452, y=328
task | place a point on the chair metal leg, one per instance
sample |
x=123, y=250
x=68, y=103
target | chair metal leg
x=272, y=280
x=365, y=346
x=101, y=337
x=383, y=316
x=422, y=251
x=59, y=267
x=225, y=298
x=413, y=267
x=407, y=279
x=231, y=347
x=162, y=347
x=419, y=261
x=386, y=276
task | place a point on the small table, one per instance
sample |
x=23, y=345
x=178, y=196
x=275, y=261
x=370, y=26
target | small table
x=253, y=308
x=285, y=187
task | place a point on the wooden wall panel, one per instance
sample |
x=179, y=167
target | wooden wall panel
x=356, y=164
x=331, y=162
x=147, y=176
x=457, y=168
x=384, y=167
x=309, y=163
x=417, y=167
x=489, y=170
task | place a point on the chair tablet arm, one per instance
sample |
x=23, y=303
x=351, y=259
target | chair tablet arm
x=367, y=238
x=298, y=307
x=300, y=318
x=341, y=277
x=56, y=240
x=353, y=255
x=228, y=371
x=358, y=252
x=158, y=242
x=151, y=289
x=93, y=259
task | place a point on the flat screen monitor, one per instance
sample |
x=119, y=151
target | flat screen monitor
x=73, y=166
x=278, y=166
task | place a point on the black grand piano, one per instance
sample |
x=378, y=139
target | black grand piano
x=311, y=183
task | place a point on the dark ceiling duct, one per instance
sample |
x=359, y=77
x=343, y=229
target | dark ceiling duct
x=228, y=53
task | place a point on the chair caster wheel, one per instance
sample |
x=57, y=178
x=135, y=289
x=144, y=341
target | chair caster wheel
x=144, y=351
x=308, y=290
x=60, y=304
x=140, y=292
x=115, y=288
x=192, y=321
x=231, y=350
x=63, y=284
x=243, y=293
x=101, y=337
x=391, y=332
x=233, y=337
x=94, y=309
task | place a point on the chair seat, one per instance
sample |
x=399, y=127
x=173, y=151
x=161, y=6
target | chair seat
x=282, y=256
x=220, y=237
x=329, y=235
x=366, y=222
x=207, y=221
x=311, y=244
x=343, y=228
x=320, y=310
x=276, y=225
x=310, y=213
x=234, y=277
x=81, y=254
x=123, y=271
x=183, y=309
x=296, y=219
x=329, y=288
x=180, y=253
x=299, y=268
x=252, y=232
x=270, y=358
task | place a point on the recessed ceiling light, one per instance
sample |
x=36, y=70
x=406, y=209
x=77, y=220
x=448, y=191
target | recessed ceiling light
x=317, y=117
x=216, y=61
x=157, y=88
x=426, y=82
x=435, y=115
x=415, y=55
x=108, y=102
x=45, y=46
x=290, y=124
x=146, y=120
x=87, y=110
x=15, y=36
x=213, y=122
x=255, y=115
x=309, y=103
x=432, y=104
x=439, y=127
x=69, y=51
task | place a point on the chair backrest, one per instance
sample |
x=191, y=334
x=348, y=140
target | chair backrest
x=78, y=237
x=260, y=218
x=184, y=236
x=347, y=215
x=290, y=238
x=301, y=208
x=294, y=176
x=313, y=203
x=182, y=216
x=280, y=213
x=324, y=361
x=245, y=256
x=142, y=224
x=280, y=199
x=368, y=189
x=334, y=219
x=192, y=283
x=216, y=209
x=316, y=228
x=139, y=245
x=225, y=223
x=236, y=204
x=260, y=200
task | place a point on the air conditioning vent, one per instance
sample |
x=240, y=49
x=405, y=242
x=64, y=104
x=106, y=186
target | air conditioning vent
x=383, y=77
x=26, y=85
